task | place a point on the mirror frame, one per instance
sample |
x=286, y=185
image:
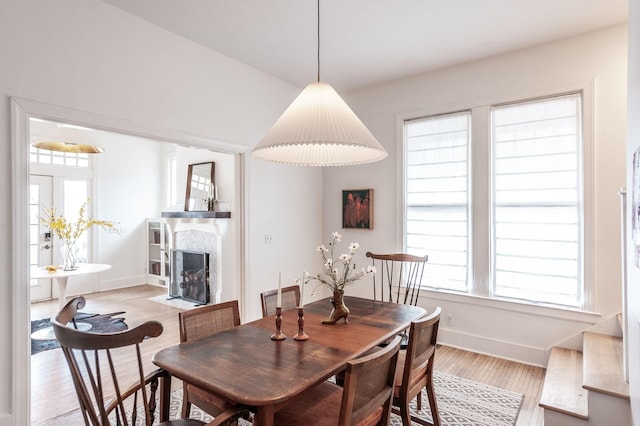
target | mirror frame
x=189, y=177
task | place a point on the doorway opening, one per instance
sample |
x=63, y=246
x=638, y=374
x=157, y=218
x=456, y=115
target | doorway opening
x=22, y=111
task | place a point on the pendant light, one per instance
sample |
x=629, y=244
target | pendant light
x=319, y=129
x=67, y=138
x=78, y=148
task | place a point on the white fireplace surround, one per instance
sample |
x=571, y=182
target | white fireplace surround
x=203, y=235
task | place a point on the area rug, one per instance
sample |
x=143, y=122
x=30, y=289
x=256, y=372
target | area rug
x=461, y=402
x=100, y=323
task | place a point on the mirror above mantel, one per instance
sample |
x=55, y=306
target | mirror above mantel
x=201, y=190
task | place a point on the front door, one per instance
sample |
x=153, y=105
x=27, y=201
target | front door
x=40, y=239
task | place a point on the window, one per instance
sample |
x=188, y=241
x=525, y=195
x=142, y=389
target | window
x=75, y=192
x=537, y=220
x=437, y=197
x=56, y=158
x=533, y=194
x=53, y=131
x=172, y=188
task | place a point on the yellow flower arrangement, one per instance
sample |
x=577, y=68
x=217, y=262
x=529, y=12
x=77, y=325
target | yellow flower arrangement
x=71, y=231
x=68, y=232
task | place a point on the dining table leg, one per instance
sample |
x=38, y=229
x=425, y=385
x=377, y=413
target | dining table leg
x=61, y=282
x=165, y=397
x=264, y=416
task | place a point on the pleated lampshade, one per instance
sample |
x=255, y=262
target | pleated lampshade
x=319, y=129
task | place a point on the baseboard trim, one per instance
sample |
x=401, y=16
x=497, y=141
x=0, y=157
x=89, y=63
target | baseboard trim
x=493, y=347
x=122, y=283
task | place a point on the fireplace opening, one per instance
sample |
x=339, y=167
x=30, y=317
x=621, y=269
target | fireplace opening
x=190, y=278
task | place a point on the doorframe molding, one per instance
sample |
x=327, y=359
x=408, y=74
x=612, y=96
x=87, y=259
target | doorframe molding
x=44, y=288
x=21, y=111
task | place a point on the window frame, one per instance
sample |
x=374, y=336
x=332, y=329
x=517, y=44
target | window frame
x=467, y=204
x=480, y=154
x=579, y=201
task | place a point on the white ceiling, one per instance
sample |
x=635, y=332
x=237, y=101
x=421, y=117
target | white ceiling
x=365, y=42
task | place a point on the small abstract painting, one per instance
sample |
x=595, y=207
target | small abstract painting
x=357, y=208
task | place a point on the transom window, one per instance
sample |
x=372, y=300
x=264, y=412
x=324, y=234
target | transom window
x=57, y=158
x=53, y=131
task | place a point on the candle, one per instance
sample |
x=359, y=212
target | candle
x=279, y=298
x=302, y=291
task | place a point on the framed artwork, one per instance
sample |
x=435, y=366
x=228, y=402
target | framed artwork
x=357, y=208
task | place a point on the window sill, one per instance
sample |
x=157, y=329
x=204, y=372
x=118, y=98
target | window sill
x=513, y=306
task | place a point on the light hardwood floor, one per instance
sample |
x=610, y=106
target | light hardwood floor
x=52, y=394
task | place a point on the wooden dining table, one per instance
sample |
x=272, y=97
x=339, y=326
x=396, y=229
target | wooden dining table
x=244, y=365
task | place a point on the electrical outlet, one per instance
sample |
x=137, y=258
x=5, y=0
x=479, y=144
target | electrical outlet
x=448, y=319
x=268, y=239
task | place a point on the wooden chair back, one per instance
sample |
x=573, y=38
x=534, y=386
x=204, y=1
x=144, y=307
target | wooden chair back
x=398, y=277
x=364, y=400
x=99, y=361
x=207, y=320
x=367, y=394
x=198, y=323
x=290, y=299
x=417, y=372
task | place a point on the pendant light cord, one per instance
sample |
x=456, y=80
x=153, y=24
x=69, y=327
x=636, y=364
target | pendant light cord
x=318, y=41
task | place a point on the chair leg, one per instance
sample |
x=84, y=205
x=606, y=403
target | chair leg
x=186, y=405
x=404, y=412
x=419, y=400
x=435, y=414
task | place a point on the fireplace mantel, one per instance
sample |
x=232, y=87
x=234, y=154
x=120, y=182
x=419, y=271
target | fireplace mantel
x=196, y=215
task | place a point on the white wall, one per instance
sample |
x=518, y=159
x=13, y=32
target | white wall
x=288, y=208
x=504, y=329
x=632, y=334
x=127, y=189
x=89, y=56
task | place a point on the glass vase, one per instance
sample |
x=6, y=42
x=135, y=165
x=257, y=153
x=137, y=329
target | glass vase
x=69, y=252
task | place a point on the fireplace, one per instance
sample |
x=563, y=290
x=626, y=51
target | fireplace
x=190, y=279
x=196, y=235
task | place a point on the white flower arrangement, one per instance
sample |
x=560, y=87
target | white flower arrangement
x=337, y=273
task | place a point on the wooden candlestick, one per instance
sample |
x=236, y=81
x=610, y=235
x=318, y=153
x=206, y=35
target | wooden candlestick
x=278, y=335
x=300, y=335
